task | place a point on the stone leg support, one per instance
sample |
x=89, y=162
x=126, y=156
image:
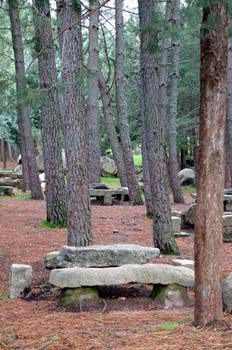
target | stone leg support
x=20, y=280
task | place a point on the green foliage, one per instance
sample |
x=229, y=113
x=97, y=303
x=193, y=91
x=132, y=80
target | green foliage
x=49, y=225
x=111, y=181
x=169, y=327
x=24, y=196
x=4, y=296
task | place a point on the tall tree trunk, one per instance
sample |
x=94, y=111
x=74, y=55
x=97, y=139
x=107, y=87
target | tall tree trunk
x=94, y=150
x=162, y=228
x=59, y=14
x=145, y=162
x=79, y=215
x=163, y=66
x=210, y=182
x=111, y=131
x=173, y=162
x=132, y=181
x=29, y=165
x=228, y=142
x=4, y=154
x=51, y=118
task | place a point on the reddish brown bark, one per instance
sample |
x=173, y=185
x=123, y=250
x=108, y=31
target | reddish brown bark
x=210, y=184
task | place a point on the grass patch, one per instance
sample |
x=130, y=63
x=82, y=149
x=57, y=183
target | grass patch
x=49, y=225
x=150, y=216
x=169, y=327
x=137, y=159
x=5, y=296
x=24, y=196
x=190, y=189
x=111, y=181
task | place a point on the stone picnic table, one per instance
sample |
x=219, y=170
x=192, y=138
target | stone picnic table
x=107, y=195
x=227, y=201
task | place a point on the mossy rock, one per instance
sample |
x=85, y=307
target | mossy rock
x=74, y=296
x=172, y=295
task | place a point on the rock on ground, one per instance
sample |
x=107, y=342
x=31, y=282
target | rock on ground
x=20, y=280
x=227, y=293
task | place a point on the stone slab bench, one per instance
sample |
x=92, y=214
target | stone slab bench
x=9, y=173
x=163, y=274
x=7, y=181
x=107, y=195
x=169, y=282
x=227, y=201
x=101, y=256
x=6, y=191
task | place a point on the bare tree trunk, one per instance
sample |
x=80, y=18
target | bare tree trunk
x=228, y=141
x=173, y=162
x=79, y=215
x=163, y=66
x=4, y=154
x=59, y=14
x=163, y=235
x=132, y=182
x=94, y=150
x=111, y=131
x=30, y=170
x=145, y=162
x=210, y=182
x=51, y=118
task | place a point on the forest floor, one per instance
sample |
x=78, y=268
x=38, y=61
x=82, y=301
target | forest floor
x=130, y=321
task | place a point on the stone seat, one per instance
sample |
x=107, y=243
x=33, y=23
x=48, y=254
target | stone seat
x=169, y=282
x=107, y=195
x=162, y=274
x=101, y=256
x=8, y=181
x=6, y=191
x=227, y=201
x=9, y=173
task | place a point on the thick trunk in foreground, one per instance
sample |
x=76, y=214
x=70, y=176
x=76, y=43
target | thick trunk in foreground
x=93, y=120
x=228, y=141
x=51, y=118
x=111, y=131
x=210, y=182
x=162, y=227
x=79, y=216
x=29, y=165
x=173, y=162
x=132, y=182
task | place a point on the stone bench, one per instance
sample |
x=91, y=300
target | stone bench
x=7, y=181
x=227, y=201
x=107, y=195
x=6, y=191
x=169, y=282
x=101, y=256
x=9, y=173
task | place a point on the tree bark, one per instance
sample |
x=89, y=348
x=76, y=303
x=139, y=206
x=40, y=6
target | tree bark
x=94, y=150
x=29, y=165
x=163, y=66
x=163, y=235
x=173, y=162
x=79, y=215
x=228, y=142
x=111, y=131
x=210, y=182
x=132, y=182
x=51, y=118
x=145, y=162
